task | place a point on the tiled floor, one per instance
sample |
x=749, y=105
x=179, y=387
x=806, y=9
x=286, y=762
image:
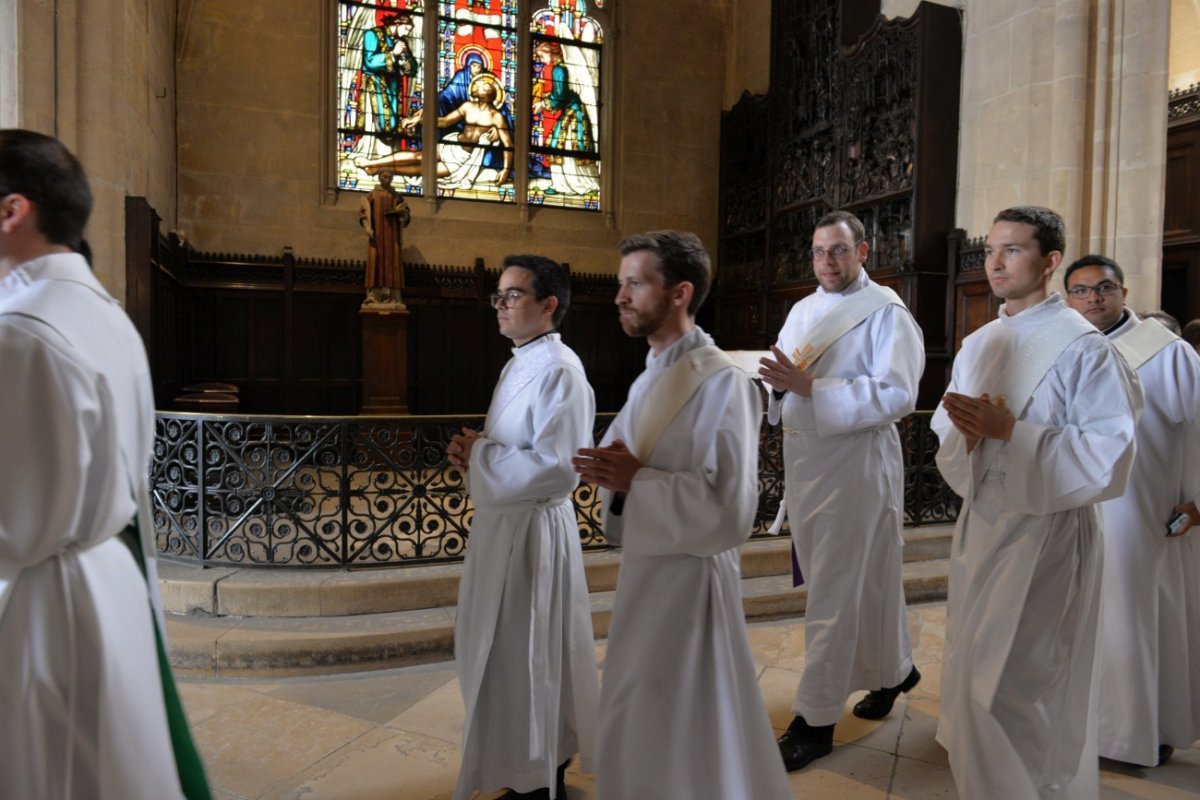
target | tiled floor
x=395, y=734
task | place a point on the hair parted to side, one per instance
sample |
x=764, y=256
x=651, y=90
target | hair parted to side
x=1049, y=229
x=854, y=223
x=1169, y=322
x=681, y=257
x=42, y=169
x=1094, y=260
x=549, y=279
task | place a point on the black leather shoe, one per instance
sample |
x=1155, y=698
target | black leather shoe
x=544, y=792
x=878, y=704
x=801, y=744
x=1165, y=751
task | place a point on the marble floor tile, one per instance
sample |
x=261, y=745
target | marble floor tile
x=257, y=741
x=381, y=765
x=373, y=696
x=395, y=734
x=439, y=715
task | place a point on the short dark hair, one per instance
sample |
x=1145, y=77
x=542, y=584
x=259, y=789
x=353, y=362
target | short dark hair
x=854, y=223
x=681, y=257
x=42, y=169
x=1168, y=321
x=550, y=279
x=1094, y=260
x=1191, y=332
x=1049, y=229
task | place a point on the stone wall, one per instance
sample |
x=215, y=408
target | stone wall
x=253, y=140
x=1184, y=65
x=100, y=76
x=1064, y=105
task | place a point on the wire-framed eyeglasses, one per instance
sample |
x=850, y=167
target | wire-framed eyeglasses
x=838, y=251
x=507, y=298
x=1103, y=289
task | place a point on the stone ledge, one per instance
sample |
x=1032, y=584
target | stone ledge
x=266, y=646
x=256, y=592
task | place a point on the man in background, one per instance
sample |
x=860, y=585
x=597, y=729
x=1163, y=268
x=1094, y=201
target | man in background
x=1036, y=427
x=1149, y=680
x=846, y=369
x=681, y=716
x=87, y=701
x=523, y=636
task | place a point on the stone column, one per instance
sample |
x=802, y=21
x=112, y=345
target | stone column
x=1064, y=105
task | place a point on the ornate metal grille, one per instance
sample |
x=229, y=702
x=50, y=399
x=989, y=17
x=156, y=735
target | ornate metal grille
x=363, y=491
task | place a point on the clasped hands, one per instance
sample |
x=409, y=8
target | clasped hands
x=978, y=418
x=459, y=450
x=611, y=466
x=784, y=376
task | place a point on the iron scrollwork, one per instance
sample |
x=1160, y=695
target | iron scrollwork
x=363, y=491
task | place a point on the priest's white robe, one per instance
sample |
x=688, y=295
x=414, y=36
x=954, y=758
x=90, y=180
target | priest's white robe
x=844, y=473
x=681, y=716
x=1144, y=700
x=523, y=636
x=1017, y=713
x=81, y=698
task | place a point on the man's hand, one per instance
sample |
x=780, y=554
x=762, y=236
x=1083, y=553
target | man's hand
x=612, y=467
x=1193, y=519
x=976, y=418
x=783, y=376
x=459, y=450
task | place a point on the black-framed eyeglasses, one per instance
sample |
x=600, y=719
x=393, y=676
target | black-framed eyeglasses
x=838, y=251
x=507, y=298
x=1104, y=289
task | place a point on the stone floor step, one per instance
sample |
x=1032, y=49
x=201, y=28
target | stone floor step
x=235, y=646
x=251, y=592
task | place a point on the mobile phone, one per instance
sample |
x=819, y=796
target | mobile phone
x=1176, y=522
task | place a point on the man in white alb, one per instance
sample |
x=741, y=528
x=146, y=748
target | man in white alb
x=681, y=716
x=1036, y=428
x=88, y=706
x=523, y=636
x=1149, y=681
x=846, y=369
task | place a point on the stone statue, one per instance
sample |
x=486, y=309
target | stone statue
x=383, y=215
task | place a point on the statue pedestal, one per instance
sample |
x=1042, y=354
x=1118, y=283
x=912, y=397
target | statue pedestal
x=385, y=358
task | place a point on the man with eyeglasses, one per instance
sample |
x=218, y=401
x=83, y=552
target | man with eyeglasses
x=681, y=715
x=1149, y=683
x=845, y=370
x=1036, y=428
x=523, y=634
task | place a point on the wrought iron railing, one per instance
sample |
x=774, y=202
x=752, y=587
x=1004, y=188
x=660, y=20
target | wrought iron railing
x=378, y=491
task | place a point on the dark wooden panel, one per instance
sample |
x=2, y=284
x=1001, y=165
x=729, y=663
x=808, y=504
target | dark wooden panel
x=862, y=114
x=1181, y=211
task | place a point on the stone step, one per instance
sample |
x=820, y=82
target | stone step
x=280, y=646
x=258, y=592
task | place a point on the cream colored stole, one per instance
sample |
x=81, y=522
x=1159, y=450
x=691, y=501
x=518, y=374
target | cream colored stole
x=1025, y=371
x=670, y=394
x=843, y=318
x=1143, y=342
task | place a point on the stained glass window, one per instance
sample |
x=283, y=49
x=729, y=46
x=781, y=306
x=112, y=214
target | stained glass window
x=485, y=145
x=380, y=92
x=477, y=81
x=565, y=114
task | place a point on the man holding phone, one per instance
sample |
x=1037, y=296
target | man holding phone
x=1149, y=697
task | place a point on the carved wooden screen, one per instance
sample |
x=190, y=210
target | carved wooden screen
x=1181, y=218
x=871, y=127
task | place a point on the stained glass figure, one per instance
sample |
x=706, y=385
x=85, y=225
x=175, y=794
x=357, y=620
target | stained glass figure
x=565, y=112
x=379, y=87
